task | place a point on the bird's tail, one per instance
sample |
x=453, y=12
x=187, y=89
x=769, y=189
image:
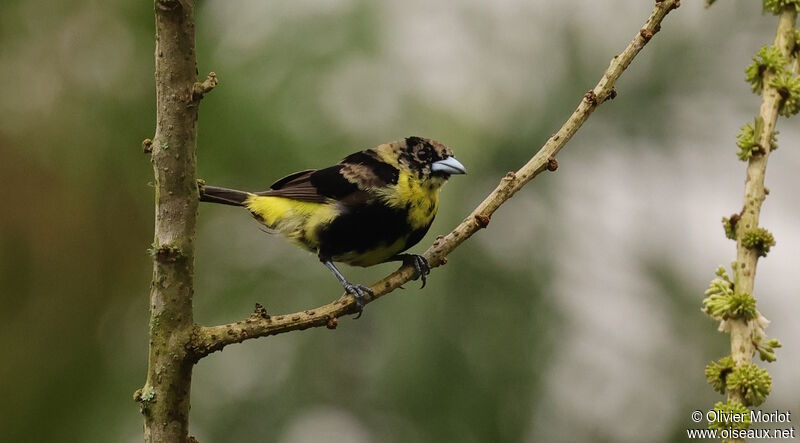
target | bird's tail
x=223, y=196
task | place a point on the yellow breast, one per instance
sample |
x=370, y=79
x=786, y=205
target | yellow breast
x=420, y=199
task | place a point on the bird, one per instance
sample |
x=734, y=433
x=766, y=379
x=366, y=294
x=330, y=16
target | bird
x=367, y=209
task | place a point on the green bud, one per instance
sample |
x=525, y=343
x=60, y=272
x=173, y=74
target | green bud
x=742, y=305
x=717, y=372
x=753, y=382
x=768, y=57
x=724, y=413
x=719, y=287
x=748, y=139
x=722, y=273
x=776, y=6
x=729, y=224
x=722, y=302
x=758, y=239
x=766, y=355
x=766, y=350
x=789, y=89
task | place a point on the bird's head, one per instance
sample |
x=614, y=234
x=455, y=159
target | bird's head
x=428, y=159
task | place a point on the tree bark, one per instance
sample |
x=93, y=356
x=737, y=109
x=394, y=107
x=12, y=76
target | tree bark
x=164, y=399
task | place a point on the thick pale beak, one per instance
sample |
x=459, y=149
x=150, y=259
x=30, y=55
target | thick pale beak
x=449, y=166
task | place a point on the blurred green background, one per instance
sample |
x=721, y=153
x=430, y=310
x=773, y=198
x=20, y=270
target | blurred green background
x=574, y=317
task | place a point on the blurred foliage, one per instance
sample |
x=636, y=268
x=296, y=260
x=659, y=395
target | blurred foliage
x=302, y=85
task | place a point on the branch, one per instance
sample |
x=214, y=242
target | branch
x=164, y=399
x=208, y=339
x=199, y=89
x=742, y=328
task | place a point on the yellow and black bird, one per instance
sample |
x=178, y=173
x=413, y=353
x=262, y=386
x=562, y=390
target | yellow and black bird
x=366, y=210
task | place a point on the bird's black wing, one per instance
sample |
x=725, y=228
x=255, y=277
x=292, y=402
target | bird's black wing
x=296, y=186
x=350, y=181
x=295, y=177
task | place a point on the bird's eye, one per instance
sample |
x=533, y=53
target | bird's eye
x=424, y=155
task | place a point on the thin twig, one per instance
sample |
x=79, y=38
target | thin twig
x=207, y=339
x=199, y=89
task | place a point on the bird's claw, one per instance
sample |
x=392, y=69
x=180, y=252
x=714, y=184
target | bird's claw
x=421, y=267
x=359, y=292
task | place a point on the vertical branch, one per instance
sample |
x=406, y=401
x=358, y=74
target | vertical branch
x=164, y=399
x=742, y=345
x=731, y=301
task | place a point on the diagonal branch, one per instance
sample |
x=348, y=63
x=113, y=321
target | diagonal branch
x=208, y=339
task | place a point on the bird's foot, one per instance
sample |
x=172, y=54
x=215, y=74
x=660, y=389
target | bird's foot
x=421, y=266
x=359, y=292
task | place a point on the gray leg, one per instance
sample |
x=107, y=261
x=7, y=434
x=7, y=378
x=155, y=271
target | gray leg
x=420, y=264
x=359, y=292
